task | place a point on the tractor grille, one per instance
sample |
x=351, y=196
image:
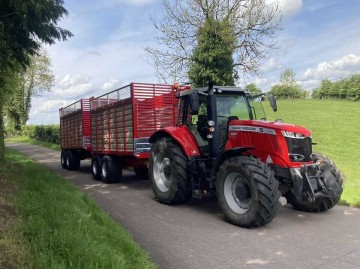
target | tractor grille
x=298, y=146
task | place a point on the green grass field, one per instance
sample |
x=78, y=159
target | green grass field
x=26, y=139
x=58, y=226
x=335, y=127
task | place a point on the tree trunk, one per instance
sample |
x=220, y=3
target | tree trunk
x=2, y=131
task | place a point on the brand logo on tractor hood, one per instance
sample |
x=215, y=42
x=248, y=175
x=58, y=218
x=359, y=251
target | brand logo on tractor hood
x=254, y=129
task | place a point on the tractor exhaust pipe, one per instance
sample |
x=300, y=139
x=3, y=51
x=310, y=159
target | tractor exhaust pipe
x=212, y=116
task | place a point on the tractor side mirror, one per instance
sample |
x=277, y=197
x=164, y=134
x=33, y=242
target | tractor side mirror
x=194, y=103
x=272, y=102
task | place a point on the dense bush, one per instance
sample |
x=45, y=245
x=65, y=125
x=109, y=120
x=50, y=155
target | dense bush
x=46, y=133
x=348, y=88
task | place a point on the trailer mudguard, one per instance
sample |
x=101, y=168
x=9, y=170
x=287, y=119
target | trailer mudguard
x=182, y=135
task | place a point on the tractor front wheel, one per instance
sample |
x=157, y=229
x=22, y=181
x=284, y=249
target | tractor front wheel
x=321, y=204
x=168, y=172
x=247, y=191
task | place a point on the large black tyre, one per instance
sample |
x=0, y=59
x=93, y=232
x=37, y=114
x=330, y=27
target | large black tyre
x=96, y=167
x=321, y=204
x=111, y=169
x=63, y=159
x=72, y=160
x=142, y=172
x=247, y=191
x=168, y=172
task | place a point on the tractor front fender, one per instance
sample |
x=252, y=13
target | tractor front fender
x=222, y=157
x=182, y=136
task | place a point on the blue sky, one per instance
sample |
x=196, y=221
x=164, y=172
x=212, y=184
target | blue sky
x=320, y=39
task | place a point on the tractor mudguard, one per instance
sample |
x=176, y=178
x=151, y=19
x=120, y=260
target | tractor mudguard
x=182, y=135
x=222, y=157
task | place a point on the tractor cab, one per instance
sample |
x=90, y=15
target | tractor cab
x=226, y=104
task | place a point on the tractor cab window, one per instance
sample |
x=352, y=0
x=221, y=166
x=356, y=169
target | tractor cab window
x=232, y=105
x=257, y=108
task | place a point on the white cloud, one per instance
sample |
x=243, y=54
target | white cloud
x=288, y=7
x=72, y=86
x=110, y=85
x=335, y=69
x=271, y=65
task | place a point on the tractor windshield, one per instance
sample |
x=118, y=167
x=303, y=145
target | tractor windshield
x=232, y=105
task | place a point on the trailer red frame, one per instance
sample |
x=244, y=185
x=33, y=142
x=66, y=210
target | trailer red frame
x=75, y=133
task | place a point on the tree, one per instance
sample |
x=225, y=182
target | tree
x=287, y=87
x=212, y=58
x=253, y=89
x=32, y=81
x=287, y=77
x=252, y=23
x=24, y=25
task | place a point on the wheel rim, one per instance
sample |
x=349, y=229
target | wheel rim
x=237, y=193
x=94, y=167
x=162, y=173
x=104, y=170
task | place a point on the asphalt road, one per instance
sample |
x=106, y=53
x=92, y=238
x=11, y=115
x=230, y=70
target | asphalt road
x=196, y=235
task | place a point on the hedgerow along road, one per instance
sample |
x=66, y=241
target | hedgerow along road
x=195, y=235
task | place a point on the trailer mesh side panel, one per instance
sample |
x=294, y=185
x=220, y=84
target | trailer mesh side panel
x=75, y=129
x=123, y=120
x=155, y=107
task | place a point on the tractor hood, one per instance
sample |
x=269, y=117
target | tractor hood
x=269, y=127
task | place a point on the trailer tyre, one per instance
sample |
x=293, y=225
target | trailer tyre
x=321, y=204
x=141, y=172
x=63, y=159
x=247, y=191
x=111, y=169
x=96, y=167
x=168, y=172
x=72, y=160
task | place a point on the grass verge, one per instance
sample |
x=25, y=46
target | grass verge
x=62, y=227
x=28, y=140
x=335, y=129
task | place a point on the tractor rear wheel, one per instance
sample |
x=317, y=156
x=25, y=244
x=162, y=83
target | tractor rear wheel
x=321, y=204
x=247, y=191
x=168, y=172
x=111, y=169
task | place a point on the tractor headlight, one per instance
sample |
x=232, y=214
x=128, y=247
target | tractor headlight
x=211, y=123
x=292, y=135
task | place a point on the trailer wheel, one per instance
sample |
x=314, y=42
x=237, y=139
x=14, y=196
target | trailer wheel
x=111, y=169
x=63, y=159
x=168, y=172
x=96, y=167
x=142, y=172
x=72, y=160
x=321, y=204
x=247, y=191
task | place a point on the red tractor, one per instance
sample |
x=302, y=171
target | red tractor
x=224, y=145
